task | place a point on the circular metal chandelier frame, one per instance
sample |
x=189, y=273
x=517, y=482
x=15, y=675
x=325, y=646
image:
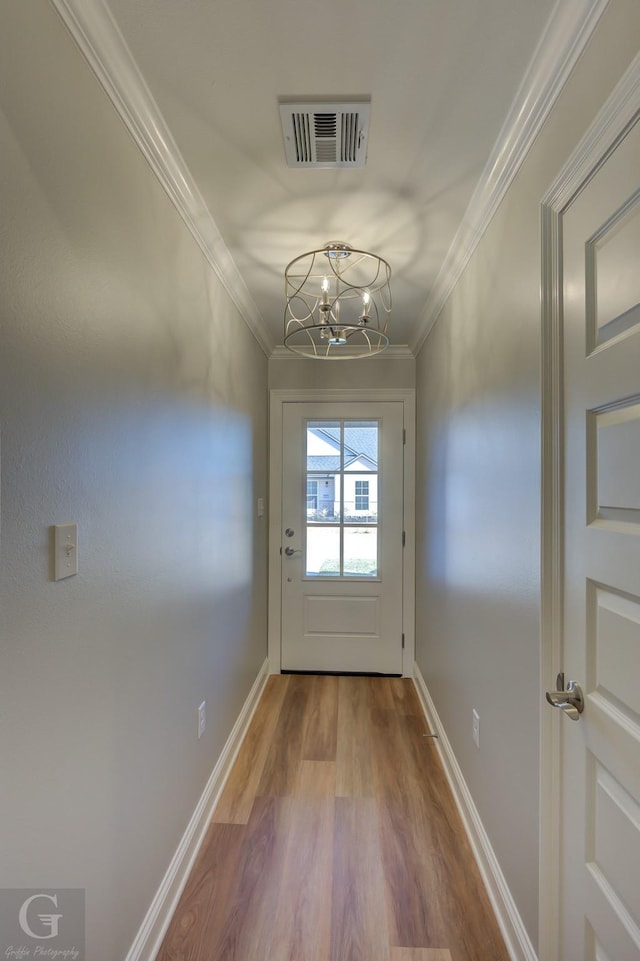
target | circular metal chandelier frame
x=338, y=303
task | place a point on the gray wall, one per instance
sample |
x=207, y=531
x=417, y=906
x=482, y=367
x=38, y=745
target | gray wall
x=478, y=490
x=133, y=401
x=294, y=373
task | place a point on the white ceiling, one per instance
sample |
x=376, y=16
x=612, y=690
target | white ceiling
x=441, y=74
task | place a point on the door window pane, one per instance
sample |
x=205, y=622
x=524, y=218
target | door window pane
x=361, y=551
x=324, y=446
x=323, y=551
x=361, y=498
x=361, y=445
x=323, y=498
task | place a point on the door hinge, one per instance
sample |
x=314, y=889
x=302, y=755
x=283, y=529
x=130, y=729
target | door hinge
x=404, y=538
x=403, y=642
x=404, y=435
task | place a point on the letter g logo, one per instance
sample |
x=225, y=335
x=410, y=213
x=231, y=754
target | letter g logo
x=48, y=921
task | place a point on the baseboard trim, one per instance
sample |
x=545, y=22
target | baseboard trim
x=154, y=927
x=511, y=925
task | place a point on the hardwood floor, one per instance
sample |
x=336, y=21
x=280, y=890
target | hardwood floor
x=336, y=839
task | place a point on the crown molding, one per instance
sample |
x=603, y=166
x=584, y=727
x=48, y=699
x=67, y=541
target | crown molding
x=565, y=36
x=392, y=352
x=96, y=33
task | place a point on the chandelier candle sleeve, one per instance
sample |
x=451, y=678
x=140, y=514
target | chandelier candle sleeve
x=338, y=303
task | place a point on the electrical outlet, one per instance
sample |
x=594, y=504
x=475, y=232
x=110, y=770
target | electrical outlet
x=202, y=719
x=476, y=728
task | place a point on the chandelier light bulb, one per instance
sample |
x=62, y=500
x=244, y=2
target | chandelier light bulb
x=364, y=316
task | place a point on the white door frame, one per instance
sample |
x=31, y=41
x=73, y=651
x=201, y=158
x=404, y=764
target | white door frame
x=612, y=122
x=406, y=397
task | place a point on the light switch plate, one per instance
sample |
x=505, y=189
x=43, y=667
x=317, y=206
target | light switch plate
x=65, y=551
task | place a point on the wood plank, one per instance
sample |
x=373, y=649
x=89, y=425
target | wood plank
x=410, y=854
x=241, y=788
x=405, y=696
x=431, y=878
x=285, y=751
x=380, y=693
x=413, y=879
x=358, y=919
x=202, y=906
x=420, y=954
x=461, y=891
x=394, y=762
x=251, y=907
x=354, y=770
x=321, y=722
x=463, y=895
x=302, y=928
x=315, y=779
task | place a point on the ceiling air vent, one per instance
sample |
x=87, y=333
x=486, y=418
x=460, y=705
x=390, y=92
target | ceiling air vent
x=325, y=134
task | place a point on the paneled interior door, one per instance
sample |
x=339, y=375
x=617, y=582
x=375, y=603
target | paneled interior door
x=600, y=876
x=342, y=540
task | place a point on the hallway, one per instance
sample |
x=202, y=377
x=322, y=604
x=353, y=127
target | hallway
x=336, y=839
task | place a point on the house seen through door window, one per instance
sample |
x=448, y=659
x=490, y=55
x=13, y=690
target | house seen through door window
x=342, y=498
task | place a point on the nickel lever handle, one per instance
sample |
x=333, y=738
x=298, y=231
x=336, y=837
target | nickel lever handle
x=571, y=700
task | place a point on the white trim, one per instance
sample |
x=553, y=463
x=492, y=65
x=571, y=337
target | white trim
x=279, y=397
x=565, y=36
x=409, y=557
x=94, y=29
x=613, y=121
x=616, y=116
x=511, y=925
x=392, y=352
x=149, y=938
x=551, y=566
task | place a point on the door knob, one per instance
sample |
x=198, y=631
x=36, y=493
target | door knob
x=571, y=700
x=289, y=551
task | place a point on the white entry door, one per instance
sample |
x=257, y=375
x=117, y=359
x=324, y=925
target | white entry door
x=342, y=540
x=600, y=846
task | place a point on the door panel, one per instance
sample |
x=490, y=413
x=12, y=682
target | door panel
x=342, y=512
x=331, y=614
x=601, y=772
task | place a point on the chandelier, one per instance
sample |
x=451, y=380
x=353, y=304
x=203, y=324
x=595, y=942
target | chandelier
x=338, y=303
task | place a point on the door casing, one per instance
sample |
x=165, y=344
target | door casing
x=277, y=399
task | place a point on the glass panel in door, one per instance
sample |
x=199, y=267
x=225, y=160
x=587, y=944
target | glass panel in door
x=342, y=477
